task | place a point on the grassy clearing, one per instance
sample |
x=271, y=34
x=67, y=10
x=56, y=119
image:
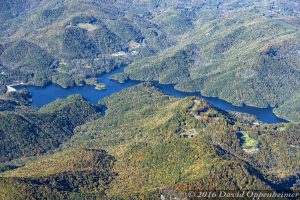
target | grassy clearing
x=248, y=142
x=88, y=27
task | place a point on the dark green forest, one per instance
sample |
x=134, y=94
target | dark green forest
x=146, y=144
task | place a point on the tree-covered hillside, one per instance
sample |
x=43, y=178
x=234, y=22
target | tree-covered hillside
x=245, y=52
x=66, y=42
x=27, y=132
x=245, y=57
x=145, y=144
x=149, y=144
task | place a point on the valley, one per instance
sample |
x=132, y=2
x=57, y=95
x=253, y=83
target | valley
x=148, y=99
x=45, y=95
x=243, y=52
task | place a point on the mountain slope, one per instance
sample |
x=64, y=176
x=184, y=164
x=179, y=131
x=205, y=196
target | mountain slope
x=31, y=133
x=149, y=145
x=245, y=52
x=76, y=40
x=155, y=144
x=244, y=58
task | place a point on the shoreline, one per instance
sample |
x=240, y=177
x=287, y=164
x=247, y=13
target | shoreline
x=265, y=115
x=10, y=88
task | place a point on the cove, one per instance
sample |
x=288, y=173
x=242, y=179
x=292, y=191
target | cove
x=45, y=95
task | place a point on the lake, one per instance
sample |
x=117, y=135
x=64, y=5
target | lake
x=44, y=95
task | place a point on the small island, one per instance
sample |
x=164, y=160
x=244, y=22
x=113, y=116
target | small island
x=100, y=86
x=94, y=82
x=120, y=77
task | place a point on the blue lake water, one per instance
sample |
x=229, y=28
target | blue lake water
x=44, y=95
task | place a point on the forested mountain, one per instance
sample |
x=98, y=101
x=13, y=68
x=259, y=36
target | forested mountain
x=149, y=144
x=140, y=143
x=66, y=42
x=248, y=55
x=27, y=132
x=250, y=48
